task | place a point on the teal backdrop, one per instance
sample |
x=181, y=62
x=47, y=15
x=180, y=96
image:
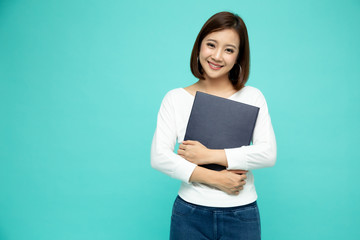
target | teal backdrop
x=81, y=83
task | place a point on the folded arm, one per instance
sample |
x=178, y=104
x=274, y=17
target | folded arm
x=163, y=157
x=262, y=153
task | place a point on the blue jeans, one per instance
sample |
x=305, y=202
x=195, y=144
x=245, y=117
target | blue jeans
x=194, y=222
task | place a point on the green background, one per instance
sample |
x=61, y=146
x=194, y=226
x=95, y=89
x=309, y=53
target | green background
x=81, y=83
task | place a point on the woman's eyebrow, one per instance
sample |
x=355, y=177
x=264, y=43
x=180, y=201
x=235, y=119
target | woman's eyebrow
x=225, y=45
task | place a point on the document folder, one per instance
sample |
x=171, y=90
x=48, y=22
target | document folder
x=220, y=123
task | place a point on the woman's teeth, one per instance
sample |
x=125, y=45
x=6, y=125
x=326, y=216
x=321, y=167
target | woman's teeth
x=214, y=66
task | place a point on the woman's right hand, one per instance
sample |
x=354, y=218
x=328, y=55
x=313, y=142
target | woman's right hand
x=231, y=181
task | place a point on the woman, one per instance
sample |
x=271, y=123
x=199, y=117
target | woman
x=214, y=204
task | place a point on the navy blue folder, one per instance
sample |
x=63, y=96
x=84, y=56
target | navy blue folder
x=220, y=123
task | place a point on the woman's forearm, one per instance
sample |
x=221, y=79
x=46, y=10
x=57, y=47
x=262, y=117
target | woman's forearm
x=205, y=176
x=230, y=182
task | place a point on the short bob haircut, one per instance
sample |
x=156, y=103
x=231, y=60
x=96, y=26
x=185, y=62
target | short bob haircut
x=239, y=74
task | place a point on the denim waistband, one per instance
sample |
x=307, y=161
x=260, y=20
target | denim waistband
x=224, y=209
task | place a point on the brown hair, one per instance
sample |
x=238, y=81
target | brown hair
x=239, y=74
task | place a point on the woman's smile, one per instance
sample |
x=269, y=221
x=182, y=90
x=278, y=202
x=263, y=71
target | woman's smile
x=214, y=66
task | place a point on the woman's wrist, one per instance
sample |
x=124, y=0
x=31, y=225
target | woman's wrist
x=205, y=176
x=218, y=156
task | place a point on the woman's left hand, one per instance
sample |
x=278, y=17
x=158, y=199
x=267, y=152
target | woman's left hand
x=194, y=152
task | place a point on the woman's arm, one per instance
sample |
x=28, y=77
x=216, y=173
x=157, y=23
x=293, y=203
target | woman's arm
x=262, y=153
x=163, y=157
x=230, y=182
x=195, y=152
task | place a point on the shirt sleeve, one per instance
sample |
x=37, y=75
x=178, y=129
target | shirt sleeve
x=163, y=157
x=263, y=151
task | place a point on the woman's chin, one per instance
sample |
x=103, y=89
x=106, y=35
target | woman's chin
x=215, y=76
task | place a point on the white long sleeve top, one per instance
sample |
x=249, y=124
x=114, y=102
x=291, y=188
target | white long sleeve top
x=172, y=121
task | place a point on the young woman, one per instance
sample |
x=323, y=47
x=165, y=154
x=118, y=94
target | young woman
x=214, y=204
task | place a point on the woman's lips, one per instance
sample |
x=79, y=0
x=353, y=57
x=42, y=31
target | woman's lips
x=214, y=66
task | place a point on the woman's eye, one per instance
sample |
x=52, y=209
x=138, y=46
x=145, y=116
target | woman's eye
x=210, y=45
x=230, y=50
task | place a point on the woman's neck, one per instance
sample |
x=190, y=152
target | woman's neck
x=216, y=86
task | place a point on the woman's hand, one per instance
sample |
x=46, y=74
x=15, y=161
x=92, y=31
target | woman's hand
x=194, y=152
x=231, y=181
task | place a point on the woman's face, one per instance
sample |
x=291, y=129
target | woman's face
x=218, y=53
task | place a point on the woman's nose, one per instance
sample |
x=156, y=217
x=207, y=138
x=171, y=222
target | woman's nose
x=217, y=55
